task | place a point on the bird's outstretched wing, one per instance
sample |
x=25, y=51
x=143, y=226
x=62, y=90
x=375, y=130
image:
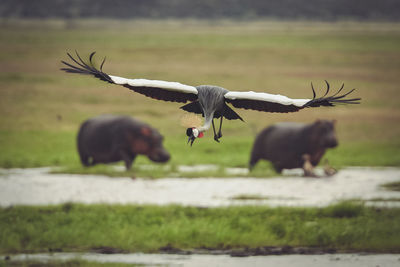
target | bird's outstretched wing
x=279, y=103
x=161, y=90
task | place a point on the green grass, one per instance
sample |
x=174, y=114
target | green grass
x=249, y=197
x=37, y=148
x=394, y=186
x=346, y=227
x=41, y=107
x=391, y=199
x=58, y=148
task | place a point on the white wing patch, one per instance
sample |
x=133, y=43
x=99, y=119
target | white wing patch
x=171, y=86
x=280, y=99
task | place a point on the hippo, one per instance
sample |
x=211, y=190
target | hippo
x=291, y=145
x=109, y=138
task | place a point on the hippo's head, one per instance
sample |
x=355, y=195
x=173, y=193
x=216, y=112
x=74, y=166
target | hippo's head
x=150, y=143
x=159, y=154
x=324, y=133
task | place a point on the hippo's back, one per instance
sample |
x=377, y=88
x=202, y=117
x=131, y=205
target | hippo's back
x=279, y=143
x=104, y=134
x=279, y=135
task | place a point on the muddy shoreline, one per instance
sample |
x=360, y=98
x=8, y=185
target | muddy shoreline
x=257, y=251
x=40, y=187
x=234, y=252
x=199, y=260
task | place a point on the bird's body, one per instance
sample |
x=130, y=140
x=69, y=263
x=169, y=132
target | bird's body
x=208, y=100
x=211, y=100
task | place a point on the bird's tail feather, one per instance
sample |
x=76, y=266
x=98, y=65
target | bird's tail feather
x=193, y=107
x=230, y=114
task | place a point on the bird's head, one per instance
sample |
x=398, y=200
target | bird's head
x=193, y=133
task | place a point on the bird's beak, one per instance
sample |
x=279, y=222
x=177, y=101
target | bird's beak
x=191, y=139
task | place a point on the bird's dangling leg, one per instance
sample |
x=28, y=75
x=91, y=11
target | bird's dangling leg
x=215, y=134
x=220, y=128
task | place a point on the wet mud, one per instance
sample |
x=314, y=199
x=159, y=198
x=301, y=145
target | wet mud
x=40, y=187
x=197, y=260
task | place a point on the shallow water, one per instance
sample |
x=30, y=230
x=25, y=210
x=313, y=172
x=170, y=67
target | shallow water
x=196, y=260
x=38, y=187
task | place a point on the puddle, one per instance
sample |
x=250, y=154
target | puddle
x=197, y=168
x=38, y=187
x=342, y=260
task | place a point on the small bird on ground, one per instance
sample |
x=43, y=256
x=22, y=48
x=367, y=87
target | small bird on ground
x=208, y=100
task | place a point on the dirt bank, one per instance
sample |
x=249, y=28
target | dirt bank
x=197, y=260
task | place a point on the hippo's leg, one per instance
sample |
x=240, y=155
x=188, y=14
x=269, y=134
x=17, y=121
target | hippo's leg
x=328, y=169
x=253, y=162
x=308, y=167
x=93, y=161
x=85, y=159
x=88, y=161
x=278, y=168
x=127, y=158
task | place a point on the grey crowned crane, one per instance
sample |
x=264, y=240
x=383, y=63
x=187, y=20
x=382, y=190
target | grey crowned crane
x=208, y=100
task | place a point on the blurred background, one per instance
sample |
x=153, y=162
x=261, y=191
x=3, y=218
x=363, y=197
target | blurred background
x=315, y=10
x=278, y=47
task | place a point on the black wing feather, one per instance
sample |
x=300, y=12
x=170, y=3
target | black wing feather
x=162, y=94
x=263, y=105
x=82, y=67
x=325, y=100
x=331, y=101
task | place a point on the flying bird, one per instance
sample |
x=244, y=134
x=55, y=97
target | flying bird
x=208, y=100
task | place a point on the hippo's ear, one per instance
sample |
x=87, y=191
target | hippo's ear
x=146, y=131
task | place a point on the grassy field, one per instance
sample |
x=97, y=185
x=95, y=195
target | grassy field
x=41, y=107
x=70, y=227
